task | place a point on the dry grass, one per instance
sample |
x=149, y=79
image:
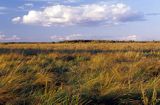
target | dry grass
x=80, y=73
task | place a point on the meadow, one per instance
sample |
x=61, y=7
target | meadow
x=92, y=73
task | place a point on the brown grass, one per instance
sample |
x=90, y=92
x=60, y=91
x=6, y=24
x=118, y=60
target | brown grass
x=80, y=73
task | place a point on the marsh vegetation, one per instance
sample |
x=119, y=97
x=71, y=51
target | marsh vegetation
x=80, y=74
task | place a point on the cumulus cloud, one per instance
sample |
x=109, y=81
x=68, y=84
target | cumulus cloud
x=83, y=14
x=66, y=37
x=11, y=38
x=16, y=19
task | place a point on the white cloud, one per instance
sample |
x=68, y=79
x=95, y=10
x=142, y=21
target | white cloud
x=26, y=6
x=16, y=19
x=130, y=37
x=66, y=37
x=11, y=38
x=83, y=14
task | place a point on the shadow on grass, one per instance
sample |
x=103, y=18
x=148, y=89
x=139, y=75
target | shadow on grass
x=68, y=51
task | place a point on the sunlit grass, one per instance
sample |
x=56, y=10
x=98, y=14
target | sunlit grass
x=80, y=74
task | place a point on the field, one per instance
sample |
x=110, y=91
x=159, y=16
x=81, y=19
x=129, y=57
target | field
x=92, y=73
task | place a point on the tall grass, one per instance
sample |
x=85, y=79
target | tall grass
x=80, y=74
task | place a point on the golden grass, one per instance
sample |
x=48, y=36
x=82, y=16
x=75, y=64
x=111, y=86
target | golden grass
x=80, y=73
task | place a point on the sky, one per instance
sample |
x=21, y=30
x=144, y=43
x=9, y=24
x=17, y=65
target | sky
x=58, y=20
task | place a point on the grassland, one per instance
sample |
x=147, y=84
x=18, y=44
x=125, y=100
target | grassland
x=80, y=74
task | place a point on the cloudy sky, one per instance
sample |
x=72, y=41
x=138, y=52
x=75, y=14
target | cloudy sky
x=56, y=20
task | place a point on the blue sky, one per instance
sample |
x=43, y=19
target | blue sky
x=56, y=20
